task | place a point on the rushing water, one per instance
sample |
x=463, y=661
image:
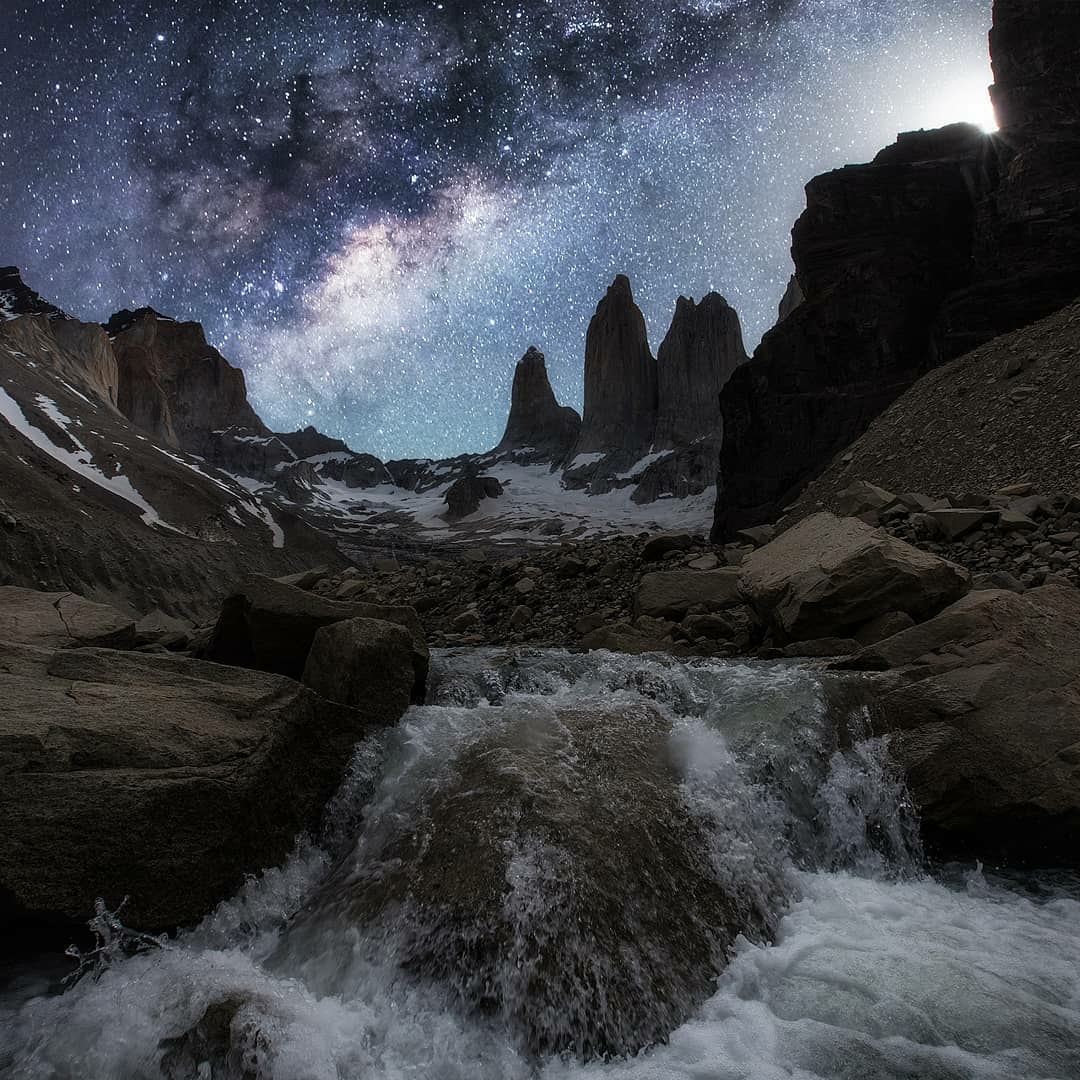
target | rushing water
x=856, y=961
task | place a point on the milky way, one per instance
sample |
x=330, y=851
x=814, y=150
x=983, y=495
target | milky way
x=375, y=208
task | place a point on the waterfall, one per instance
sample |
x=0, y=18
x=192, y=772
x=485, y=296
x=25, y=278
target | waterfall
x=600, y=865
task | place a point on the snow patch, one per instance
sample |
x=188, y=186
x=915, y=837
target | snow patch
x=582, y=460
x=79, y=461
x=639, y=467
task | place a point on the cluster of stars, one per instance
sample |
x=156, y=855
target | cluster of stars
x=376, y=207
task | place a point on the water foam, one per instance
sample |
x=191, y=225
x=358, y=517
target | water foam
x=875, y=969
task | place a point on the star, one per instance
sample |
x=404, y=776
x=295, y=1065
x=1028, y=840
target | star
x=374, y=208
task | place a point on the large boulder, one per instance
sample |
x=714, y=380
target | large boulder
x=61, y=620
x=164, y=779
x=827, y=576
x=984, y=717
x=527, y=849
x=670, y=594
x=358, y=660
x=465, y=495
x=270, y=626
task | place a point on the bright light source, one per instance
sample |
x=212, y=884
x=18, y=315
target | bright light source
x=960, y=100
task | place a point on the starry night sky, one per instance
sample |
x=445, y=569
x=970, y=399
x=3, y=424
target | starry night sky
x=376, y=207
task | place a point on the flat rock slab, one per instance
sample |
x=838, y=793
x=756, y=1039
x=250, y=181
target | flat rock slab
x=958, y=521
x=61, y=620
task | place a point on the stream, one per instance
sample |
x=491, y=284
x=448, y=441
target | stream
x=593, y=865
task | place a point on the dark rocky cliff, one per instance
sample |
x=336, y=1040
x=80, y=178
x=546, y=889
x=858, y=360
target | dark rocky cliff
x=537, y=421
x=947, y=239
x=176, y=386
x=702, y=348
x=620, y=376
x=877, y=250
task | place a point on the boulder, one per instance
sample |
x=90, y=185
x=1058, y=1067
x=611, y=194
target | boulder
x=270, y=627
x=357, y=662
x=305, y=579
x=670, y=594
x=862, y=496
x=757, y=535
x=704, y=562
x=656, y=547
x=520, y=617
x=999, y=579
x=61, y=620
x=713, y=627
x=1014, y=521
x=821, y=648
x=984, y=717
x=884, y=626
x=464, y=495
x=955, y=522
x=160, y=778
x=626, y=637
x=528, y=848
x=827, y=576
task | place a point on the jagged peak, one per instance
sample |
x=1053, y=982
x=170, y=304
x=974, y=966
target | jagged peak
x=17, y=298
x=126, y=318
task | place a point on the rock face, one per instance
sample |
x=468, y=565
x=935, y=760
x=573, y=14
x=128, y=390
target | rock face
x=531, y=851
x=1026, y=261
x=828, y=576
x=877, y=250
x=537, y=421
x=161, y=778
x=174, y=385
x=79, y=353
x=702, y=348
x=620, y=376
x=308, y=442
x=948, y=239
x=986, y=722
x=270, y=626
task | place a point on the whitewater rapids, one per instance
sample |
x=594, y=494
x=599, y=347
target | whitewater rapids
x=876, y=964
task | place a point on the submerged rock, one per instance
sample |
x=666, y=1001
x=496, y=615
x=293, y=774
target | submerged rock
x=554, y=876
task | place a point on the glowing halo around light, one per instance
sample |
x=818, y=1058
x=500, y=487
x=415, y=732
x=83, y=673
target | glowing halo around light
x=966, y=99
